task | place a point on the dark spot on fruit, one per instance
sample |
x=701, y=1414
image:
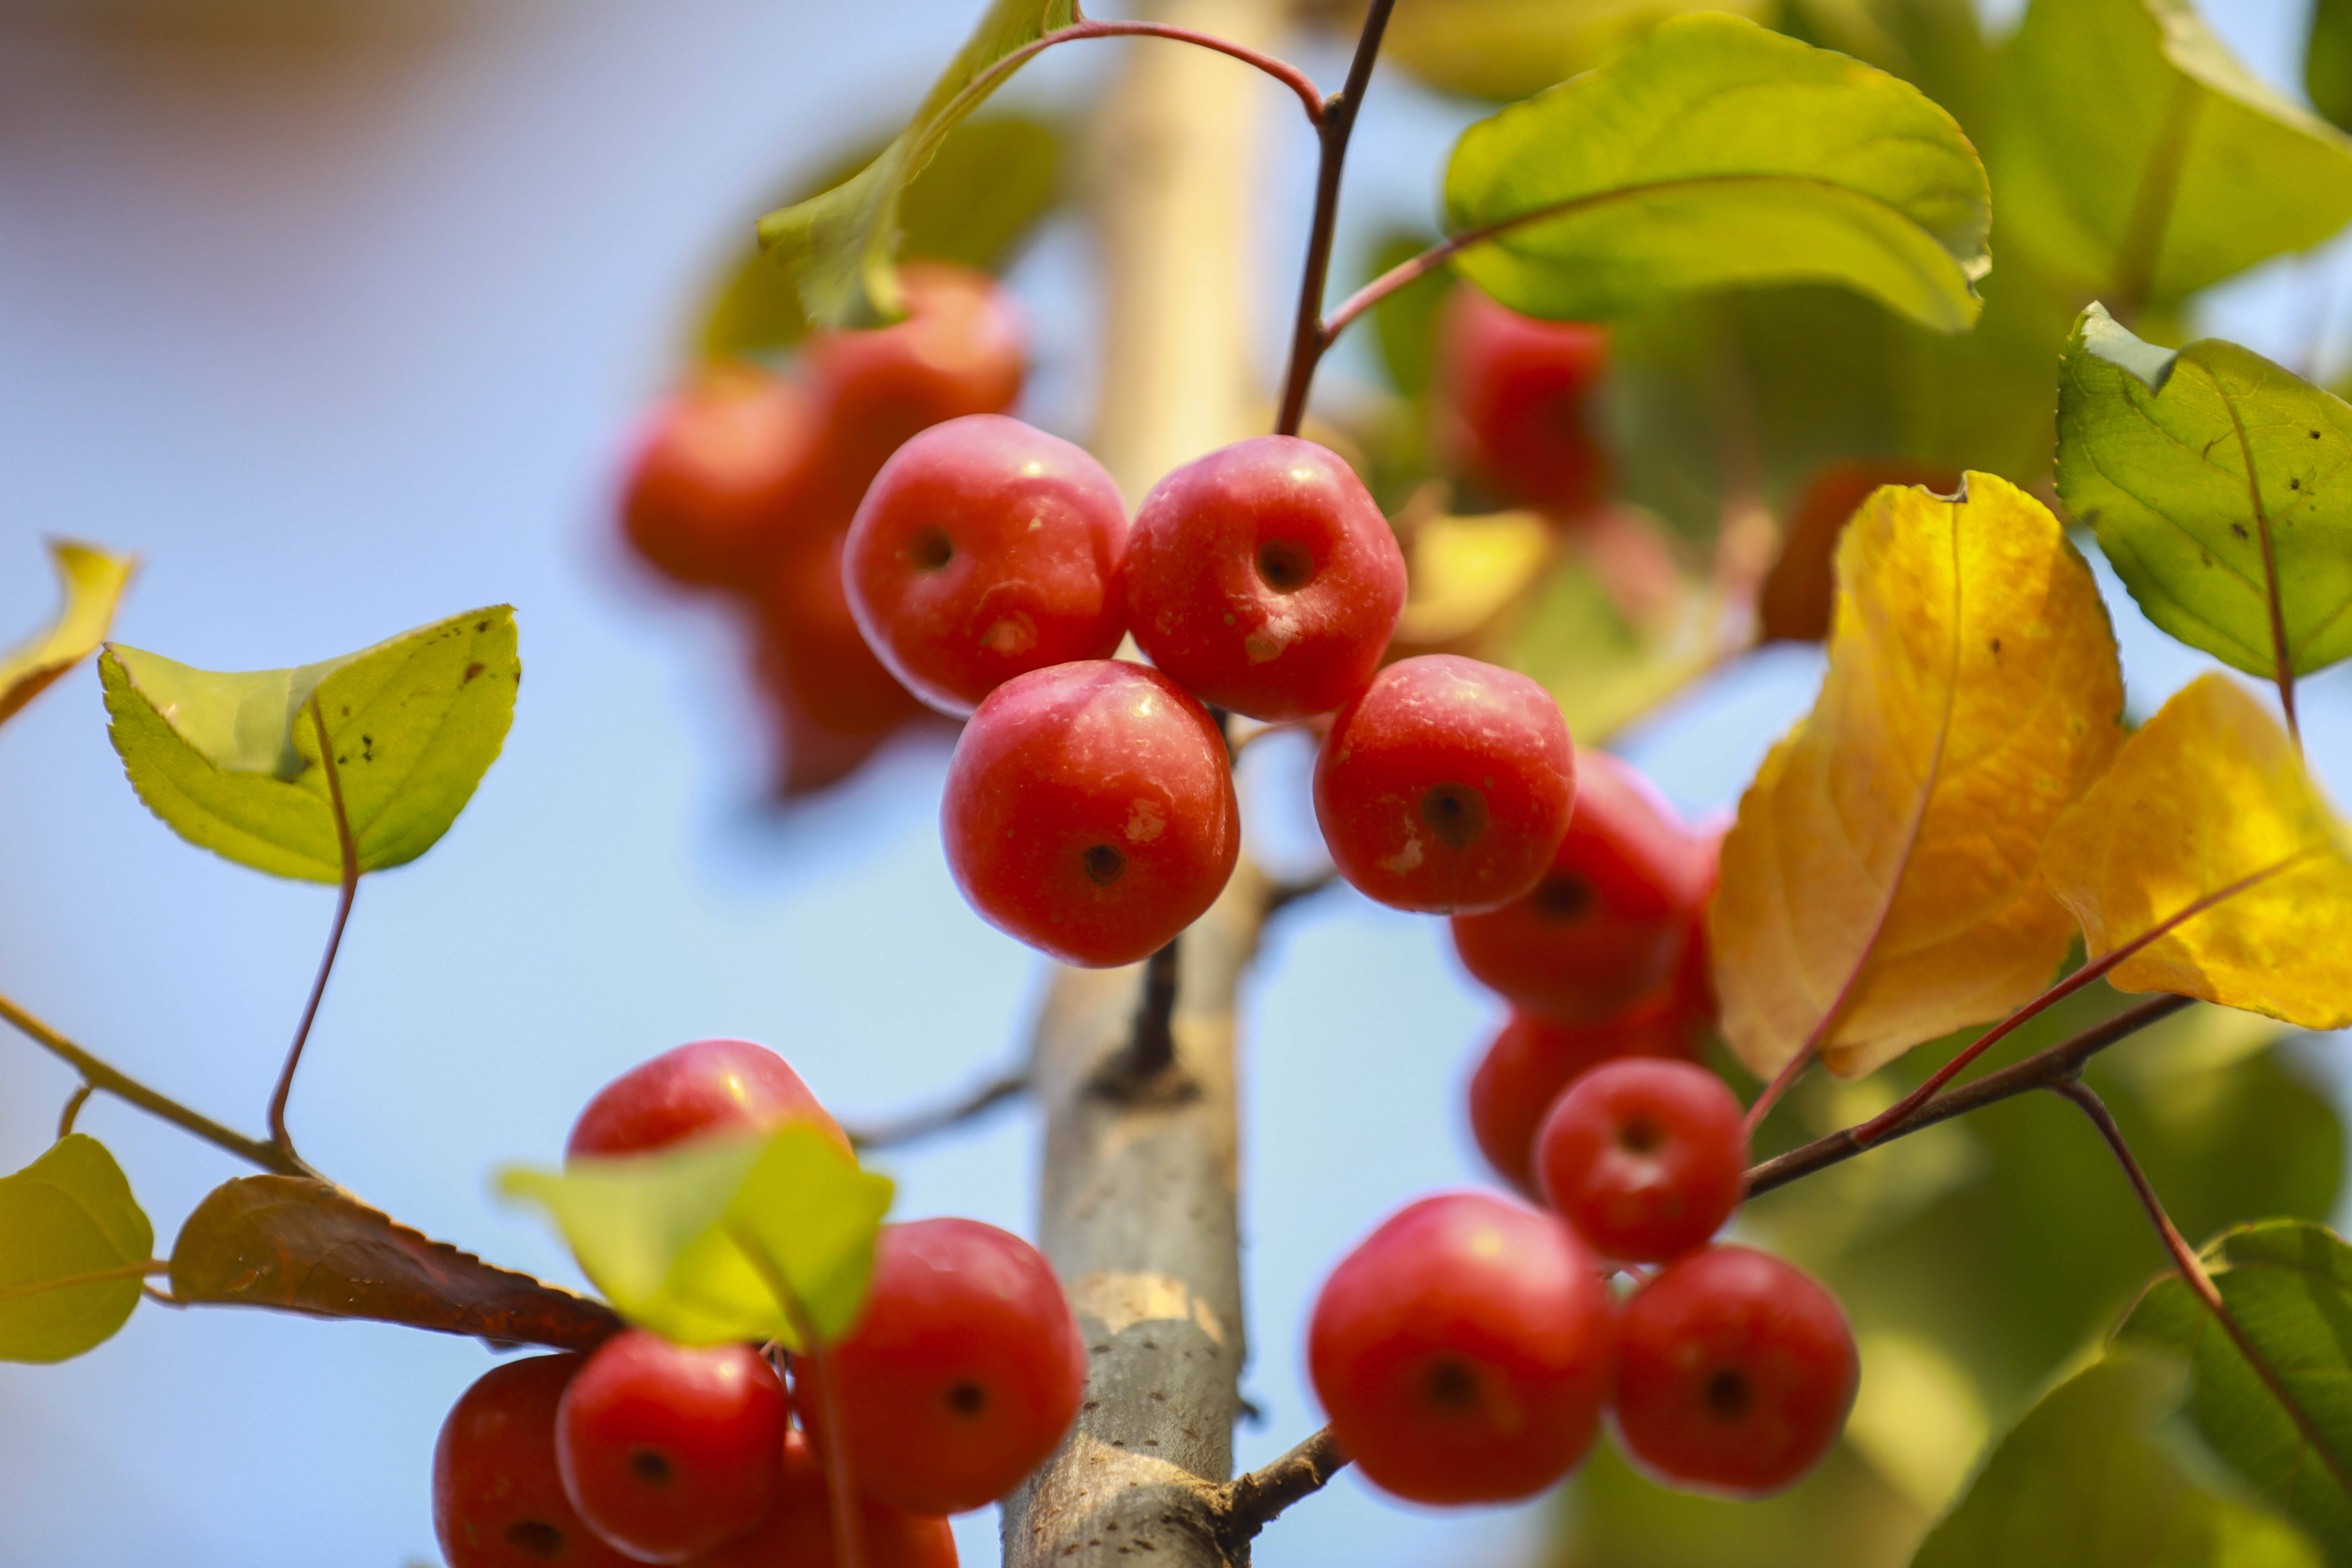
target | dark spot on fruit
x=1562, y=897
x=649, y=1467
x=536, y=1538
x=1641, y=1136
x=472, y=670
x=1285, y=565
x=967, y=1399
x=930, y=549
x=1728, y=1394
x=1450, y=1385
x=1104, y=865
x=1456, y=813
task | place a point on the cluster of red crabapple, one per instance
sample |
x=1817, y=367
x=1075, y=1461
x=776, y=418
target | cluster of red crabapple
x=961, y=1373
x=1466, y=1349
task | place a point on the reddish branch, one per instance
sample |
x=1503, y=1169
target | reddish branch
x=349, y=891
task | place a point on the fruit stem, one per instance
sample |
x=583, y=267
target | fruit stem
x=916, y=1125
x=349, y=892
x=1309, y=336
x=97, y=1075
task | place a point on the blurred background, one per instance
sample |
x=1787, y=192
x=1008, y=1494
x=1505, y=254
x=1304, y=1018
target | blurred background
x=341, y=314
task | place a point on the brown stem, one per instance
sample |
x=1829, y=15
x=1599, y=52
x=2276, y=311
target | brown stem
x=1255, y=1500
x=123, y=1087
x=79, y=1097
x=1308, y=336
x=2056, y=1065
x=349, y=890
x=919, y=1124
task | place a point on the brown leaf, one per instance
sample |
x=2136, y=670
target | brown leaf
x=304, y=1246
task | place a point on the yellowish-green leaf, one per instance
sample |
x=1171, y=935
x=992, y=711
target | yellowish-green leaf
x=69, y=1216
x=1511, y=48
x=92, y=581
x=1880, y=887
x=837, y=246
x=1717, y=155
x=231, y=762
x=1463, y=572
x=2209, y=842
x=2216, y=484
x=2137, y=160
x=2327, y=61
x=739, y=1239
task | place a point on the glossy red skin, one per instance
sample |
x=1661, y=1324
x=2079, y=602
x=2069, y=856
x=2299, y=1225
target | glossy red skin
x=1533, y=1059
x=963, y=1372
x=726, y=471
x=986, y=549
x=799, y=1534
x=1519, y=404
x=1446, y=787
x=811, y=649
x=1102, y=759
x=1645, y=1158
x=958, y=352
x=1199, y=603
x=1782, y=1346
x=691, y=1091
x=669, y=1452
x=1608, y=924
x=1461, y=1350
x=1695, y=974
x=498, y=1502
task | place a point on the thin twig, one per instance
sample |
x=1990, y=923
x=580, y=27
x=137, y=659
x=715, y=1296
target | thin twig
x=1309, y=336
x=809, y=1360
x=919, y=1124
x=1138, y=1070
x=125, y=1087
x=2056, y=1065
x=73, y=1107
x=2194, y=1274
x=1790, y=1071
x=1249, y=1503
x=349, y=890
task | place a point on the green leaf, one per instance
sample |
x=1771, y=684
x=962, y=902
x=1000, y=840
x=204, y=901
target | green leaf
x=1405, y=323
x=2288, y=1434
x=2084, y=1481
x=2215, y=481
x=2137, y=160
x=1717, y=154
x=698, y=1242
x=1510, y=48
x=1606, y=664
x=68, y=1214
x=231, y=762
x=837, y=246
x=92, y=580
x=989, y=185
x=2327, y=61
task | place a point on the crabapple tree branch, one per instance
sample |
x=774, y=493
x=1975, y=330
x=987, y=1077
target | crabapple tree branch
x=916, y=1125
x=1253, y=1502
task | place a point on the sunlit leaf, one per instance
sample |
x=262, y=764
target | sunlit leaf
x=696, y=1243
x=2137, y=160
x=67, y=1215
x=1510, y=49
x=1405, y=323
x=2216, y=484
x=1715, y=154
x=2207, y=795
x=2085, y=1482
x=837, y=246
x=92, y=581
x=2286, y=1426
x=1463, y=572
x=231, y=762
x=1802, y=584
x=985, y=191
x=304, y=1246
x=1880, y=886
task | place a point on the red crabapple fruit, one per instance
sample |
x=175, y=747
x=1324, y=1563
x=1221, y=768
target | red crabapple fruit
x=958, y=352
x=668, y=1452
x=1089, y=811
x=726, y=471
x=799, y=1534
x=1533, y=1059
x=963, y=1371
x=810, y=645
x=983, y=550
x=1263, y=579
x=1461, y=1350
x=498, y=1502
x=1519, y=398
x=1609, y=921
x=1447, y=786
x=1735, y=1371
x=1645, y=1158
x=692, y=1090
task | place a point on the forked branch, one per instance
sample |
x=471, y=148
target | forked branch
x=1249, y=1503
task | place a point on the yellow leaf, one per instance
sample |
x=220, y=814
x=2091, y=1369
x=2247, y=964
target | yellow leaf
x=1881, y=887
x=1465, y=570
x=2209, y=844
x=93, y=581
